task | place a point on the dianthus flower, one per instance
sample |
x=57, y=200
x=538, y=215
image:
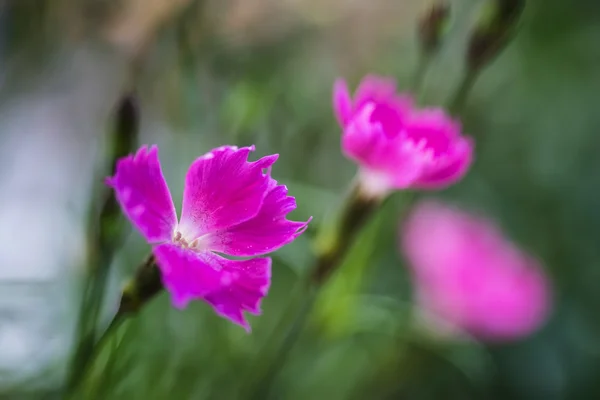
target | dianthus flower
x=230, y=206
x=396, y=145
x=470, y=278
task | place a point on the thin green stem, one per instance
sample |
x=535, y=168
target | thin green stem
x=88, y=315
x=459, y=98
x=420, y=72
x=112, y=327
x=339, y=235
x=334, y=243
x=143, y=286
x=280, y=355
x=95, y=350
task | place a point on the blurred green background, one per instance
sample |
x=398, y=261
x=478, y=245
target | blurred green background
x=260, y=72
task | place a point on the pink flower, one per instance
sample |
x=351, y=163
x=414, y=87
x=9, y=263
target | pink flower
x=230, y=206
x=397, y=146
x=469, y=277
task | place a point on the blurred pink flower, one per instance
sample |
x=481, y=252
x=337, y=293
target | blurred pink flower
x=470, y=278
x=230, y=206
x=396, y=145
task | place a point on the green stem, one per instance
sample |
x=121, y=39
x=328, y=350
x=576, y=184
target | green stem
x=459, y=98
x=355, y=213
x=357, y=209
x=420, y=72
x=277, y=358
x=101, y=256
x=95, y=351
x=86, y=327
x=144, y=286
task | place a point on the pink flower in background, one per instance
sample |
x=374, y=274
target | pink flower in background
x=230, y=206
x=396, y=145
x=469, y=277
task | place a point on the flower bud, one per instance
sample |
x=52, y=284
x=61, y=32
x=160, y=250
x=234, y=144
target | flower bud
x=432, y=26
x=123, y=138
x=493, y=31
x=510, y=10
x=125, y=131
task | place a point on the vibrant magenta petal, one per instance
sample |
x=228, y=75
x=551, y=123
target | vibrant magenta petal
x=143, y=194
x=387, y=163
x=390, y=109
x=181, y=270
x=452, y=154
x=223, y=189
x=361, y=138
x=449, y=169
x=342, y=103
x=467, y=274
x=250, y=281
x=267, y=231
x=375, y=89
x=433, y=126
x=230, y=286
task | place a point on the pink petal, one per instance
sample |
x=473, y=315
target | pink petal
x=361, y=138
x=390, y=159
x=519, y=297
x=375, y=89
x=267, y=231
x=342, y=102
x=143, y=194
x=390, y=108
x=223, y=189
x=457, y=164
x=230, y=286
x=470, y=275
x=434, y=126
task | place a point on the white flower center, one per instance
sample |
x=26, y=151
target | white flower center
x=374, y=184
